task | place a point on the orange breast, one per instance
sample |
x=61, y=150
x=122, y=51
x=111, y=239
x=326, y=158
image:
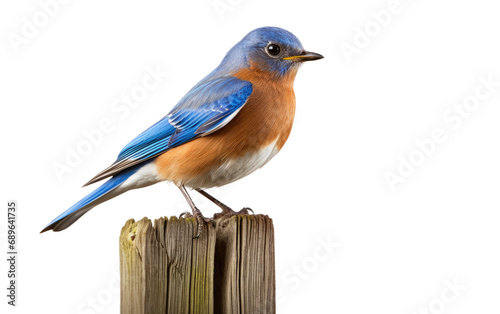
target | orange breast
x=267, y=117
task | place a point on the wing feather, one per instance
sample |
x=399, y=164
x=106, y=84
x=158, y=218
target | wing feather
x=205, y=109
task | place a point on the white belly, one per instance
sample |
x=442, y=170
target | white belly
x=235, y=169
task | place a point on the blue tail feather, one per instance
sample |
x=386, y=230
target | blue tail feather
x=67, y=218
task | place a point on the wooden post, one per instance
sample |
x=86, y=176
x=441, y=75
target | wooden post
x=244, y=265
x=229, y=269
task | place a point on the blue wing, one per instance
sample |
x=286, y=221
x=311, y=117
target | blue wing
x=205, y=109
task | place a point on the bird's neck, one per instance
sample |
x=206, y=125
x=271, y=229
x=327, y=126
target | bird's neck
x=256, y=74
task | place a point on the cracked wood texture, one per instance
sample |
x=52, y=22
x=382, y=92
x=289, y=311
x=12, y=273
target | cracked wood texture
x=229, y=269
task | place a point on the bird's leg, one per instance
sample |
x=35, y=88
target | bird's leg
x=226, y=210
x=196, y=212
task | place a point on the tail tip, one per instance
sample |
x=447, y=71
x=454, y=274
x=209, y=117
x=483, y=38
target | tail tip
x=48, y=228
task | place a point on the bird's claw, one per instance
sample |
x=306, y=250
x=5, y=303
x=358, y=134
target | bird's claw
x=202, y=219
x=245, y=211
x=229, y=212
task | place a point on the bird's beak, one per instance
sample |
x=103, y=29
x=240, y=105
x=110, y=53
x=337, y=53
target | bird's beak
x=305, y=56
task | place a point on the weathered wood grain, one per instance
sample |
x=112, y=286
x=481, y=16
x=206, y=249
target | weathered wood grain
x=163, y=269
x=244, y=265
x=229, y=269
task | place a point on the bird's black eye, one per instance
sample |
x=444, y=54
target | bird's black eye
x=273, y=49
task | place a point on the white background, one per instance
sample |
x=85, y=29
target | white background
x=396, y=249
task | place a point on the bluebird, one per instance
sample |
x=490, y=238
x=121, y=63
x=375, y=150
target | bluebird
x=227, y=126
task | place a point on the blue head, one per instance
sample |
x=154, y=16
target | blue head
x=271, y=49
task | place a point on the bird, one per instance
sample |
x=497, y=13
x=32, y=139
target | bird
x=228, y=125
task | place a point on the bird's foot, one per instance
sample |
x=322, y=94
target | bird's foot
x=226, y=211
x=199, y=218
